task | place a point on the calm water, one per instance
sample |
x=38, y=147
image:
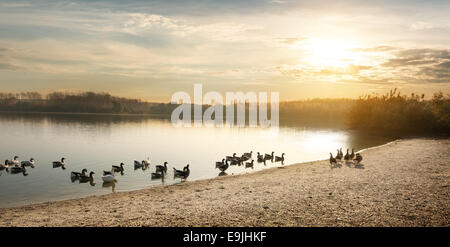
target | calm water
x=97, y=142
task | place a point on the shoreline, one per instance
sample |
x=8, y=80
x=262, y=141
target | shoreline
x=260, y=198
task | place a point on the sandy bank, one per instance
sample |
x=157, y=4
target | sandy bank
x=404, y=183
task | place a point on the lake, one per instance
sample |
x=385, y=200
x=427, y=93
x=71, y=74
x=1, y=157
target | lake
x=96, y=142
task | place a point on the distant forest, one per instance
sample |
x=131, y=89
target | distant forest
x=393, y=112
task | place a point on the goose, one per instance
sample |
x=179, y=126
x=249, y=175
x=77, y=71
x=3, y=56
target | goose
x=333, y=161
x=347, y=156
x=249, y=155
x=183, y=174
x=338, y=155
x=108, y=176
x=269, y=156
x=138, y=164
x=146, y=162
x=162, y=168
x=259, y=156
x=222, y=166
x=156, y=175
x=352, y=155
x=220, y=163
x=59, y=163
x=76, y=175
x=278, y=158
x=4, y=166
x=358, y=158
x=228, y=158
x=28, y=163
x=85, y=178
x=17, y=169
x=249, y=164
x=118, y=168
x=13, y=162
x=244, y=158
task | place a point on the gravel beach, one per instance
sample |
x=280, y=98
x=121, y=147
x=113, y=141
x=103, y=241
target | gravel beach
x=403, y=183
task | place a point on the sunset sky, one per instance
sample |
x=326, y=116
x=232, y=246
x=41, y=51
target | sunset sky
x=151, y=49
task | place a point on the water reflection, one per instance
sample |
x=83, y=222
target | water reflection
x=96, y=142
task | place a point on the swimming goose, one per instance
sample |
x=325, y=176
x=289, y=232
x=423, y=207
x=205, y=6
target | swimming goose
x=13, y=162
x=249, y=155
x=347, y=156
x=358, y=158
x=138, y=164
x=17, y=169
x=4, y=166
x=76, y=175
x=333, y=161
x=28, y=163
x=223, y=166
x=162, y=168
x=156, y=175
x=86, y=178
x=278, y=158
x=229, y=158
x=269, y=156
x=146, y=162
x=59, y=163
x=352, y=155
x=249, y=164
x=183, y=174
x=108, y=176
x=118, y=168
x=259, y=156
x=244, y=158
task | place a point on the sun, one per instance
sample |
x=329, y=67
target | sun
x=328, y=52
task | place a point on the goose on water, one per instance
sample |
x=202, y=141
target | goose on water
x=108, y=176
x=138, y=164
x=183, y=174
x=249, y=164
x=17, y=169
x=85, y=178
x=118, y=168
x=162, y=168
x=223, y=166
x=269, y=156
x=14, y=162
x=229, y=158
x=59, y=163
x=76, y=175
x=4, y=166
x=156, y=175
x=28, y=163
x=249, y=155
x=278, y=158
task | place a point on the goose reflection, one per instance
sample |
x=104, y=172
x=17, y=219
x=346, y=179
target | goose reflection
x=110, y=184
x=222, y=174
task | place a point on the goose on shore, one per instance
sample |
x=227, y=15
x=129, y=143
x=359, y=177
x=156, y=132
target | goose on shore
x=118, y=168
x=75, y=175
x=278, y=158
x=333, y=161
x=352, y=155
x=259, y=156
x=183, y=174
x=249, y=164
x=162, y=168
x=28, y=163
x=86, y=178
x=358, y=158
x=338, y=155
x=59, y=163
x=347, y=156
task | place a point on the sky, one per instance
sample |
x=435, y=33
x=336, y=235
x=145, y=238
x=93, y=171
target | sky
x=152, y=49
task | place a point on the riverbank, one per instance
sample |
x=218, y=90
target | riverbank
x=403, y=183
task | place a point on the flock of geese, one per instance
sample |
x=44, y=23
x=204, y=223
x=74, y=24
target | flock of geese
x=241, y=160
x=15, y=166
x=348, y=157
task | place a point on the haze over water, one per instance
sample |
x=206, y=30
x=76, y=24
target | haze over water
x=97, y=142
